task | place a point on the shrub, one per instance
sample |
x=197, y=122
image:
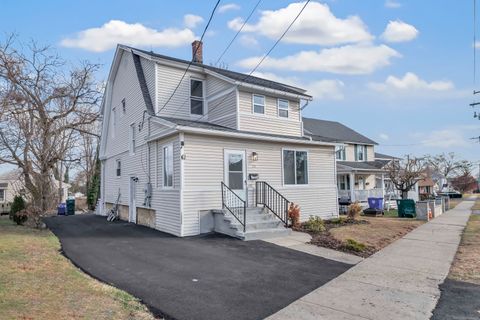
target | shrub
x=354, y=211
x=294, y=214
x=339, y=220
x=315, y=224
x=17, y=206
x=31, y=216
x=353, y=245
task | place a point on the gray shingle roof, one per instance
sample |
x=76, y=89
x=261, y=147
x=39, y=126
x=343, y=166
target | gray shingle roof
x=237, y=76
x=383, y=156
x=212, y=126
x=143, y=84
x=333, y=131
x=362, y=165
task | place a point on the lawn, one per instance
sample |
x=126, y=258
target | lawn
x=362, y=237
x=37, y=282
x=466, y=266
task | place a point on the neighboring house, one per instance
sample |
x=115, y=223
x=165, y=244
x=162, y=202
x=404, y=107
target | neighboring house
x=165, y=157
x=360, y=173
x=11, y=184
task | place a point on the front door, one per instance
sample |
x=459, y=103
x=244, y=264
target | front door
x=235, y=173
x=132, y=208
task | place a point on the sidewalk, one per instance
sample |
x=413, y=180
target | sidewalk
x=399, y=282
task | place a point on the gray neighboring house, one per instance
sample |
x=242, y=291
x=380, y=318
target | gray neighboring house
x=224, y=147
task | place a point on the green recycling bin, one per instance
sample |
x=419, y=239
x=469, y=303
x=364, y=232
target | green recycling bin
x=406, y=208
x=70, y=206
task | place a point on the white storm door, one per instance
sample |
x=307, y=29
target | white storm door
x=132, y=205
x=235, y=171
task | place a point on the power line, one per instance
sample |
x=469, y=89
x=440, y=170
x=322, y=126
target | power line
x=194, y=54
x=263, y=58
x=238, y=32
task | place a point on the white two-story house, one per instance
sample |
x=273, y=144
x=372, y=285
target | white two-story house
x=188, y=152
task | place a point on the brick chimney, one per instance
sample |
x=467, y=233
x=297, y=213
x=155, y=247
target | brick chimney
x=197, y=51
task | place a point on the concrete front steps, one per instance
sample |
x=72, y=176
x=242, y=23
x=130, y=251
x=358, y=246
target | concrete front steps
x=261, y=224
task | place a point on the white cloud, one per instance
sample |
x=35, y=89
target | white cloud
x=411, y=83
x=384, y=136
x=192, y=21
x=399, y=31
x=248, y=40
x=228, y=7
x=392, y=4
x=477, y=44
x=321, y=89
x=445, y=138
x=116, y=31
x=317, y=25
x=349, y=59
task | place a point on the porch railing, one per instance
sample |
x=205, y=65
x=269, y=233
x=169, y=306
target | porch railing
x=270, y=198
x=360, y=195
x=235, y=205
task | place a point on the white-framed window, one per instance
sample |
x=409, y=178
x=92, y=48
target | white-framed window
x=282, y=108
x=2, y=195
x=168, y=166
x=258, y=104
x=340, y=153
x=360, y=152
x=295, y=167
x=196, y=97
x=124, y=106
x=118, y=168
x=344, y=182
x=133, y=137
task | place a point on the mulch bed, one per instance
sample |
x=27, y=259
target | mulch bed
x=326, y=240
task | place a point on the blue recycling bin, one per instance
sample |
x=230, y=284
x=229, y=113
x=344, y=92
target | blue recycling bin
x=61, y=209
x=375, y=203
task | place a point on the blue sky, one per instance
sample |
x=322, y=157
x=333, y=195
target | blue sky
x=407, y=88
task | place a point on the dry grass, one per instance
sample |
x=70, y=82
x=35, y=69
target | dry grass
x=378, y=233
x=37, y=282
x=466, y=266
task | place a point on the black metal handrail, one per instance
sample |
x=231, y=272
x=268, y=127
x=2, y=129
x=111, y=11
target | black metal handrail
x=273, y=200
x=235, y=205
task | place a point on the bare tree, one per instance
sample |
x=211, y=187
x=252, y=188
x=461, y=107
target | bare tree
x=405, y=173
x=444, y=165
x=43, y=108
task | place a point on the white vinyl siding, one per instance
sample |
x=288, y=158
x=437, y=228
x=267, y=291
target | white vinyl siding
x=204, y=170
x=270, y=122
x=283, y=108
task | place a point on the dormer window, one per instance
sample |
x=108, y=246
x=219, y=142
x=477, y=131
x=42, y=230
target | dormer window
x=340, y=153
x=258, y=104
x=282, y=108
x=196, y=97
x=360, y=152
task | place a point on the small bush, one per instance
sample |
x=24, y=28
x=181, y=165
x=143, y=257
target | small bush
x=353, y=245
x=339, y=220
x=17, y=206
x=354, y=211
x=315, y=224
x=294, y=214
x=31, y=216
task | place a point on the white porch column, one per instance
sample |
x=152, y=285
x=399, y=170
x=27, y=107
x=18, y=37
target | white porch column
x=352, y=187
x=383, y=185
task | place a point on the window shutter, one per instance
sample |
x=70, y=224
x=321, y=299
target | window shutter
x=356, y=152
x=365, y=152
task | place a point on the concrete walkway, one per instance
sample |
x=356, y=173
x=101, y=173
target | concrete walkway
x=399, y=282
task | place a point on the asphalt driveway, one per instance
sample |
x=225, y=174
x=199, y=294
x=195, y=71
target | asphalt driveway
x=205, y=277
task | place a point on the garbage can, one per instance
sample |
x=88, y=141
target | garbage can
x=406, y=208
x=70, y=206
x=61, y=209
x=375, y=203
